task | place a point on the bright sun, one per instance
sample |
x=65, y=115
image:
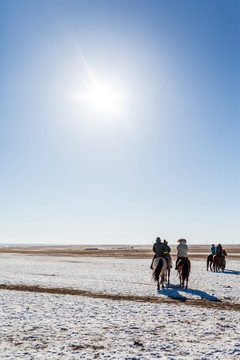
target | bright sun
x=98, y=96
x=104, y=98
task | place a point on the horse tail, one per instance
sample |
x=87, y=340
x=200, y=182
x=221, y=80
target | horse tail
x=158, y=269
x=186, y=269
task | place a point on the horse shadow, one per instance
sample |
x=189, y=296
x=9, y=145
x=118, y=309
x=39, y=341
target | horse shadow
x=173, y=292
x=202, y=294
x=231, y=272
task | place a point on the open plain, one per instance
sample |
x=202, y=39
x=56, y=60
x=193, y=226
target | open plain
x=86, y=302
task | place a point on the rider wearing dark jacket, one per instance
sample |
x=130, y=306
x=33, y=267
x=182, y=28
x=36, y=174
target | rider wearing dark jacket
x=167, y=255
x=158, y=249
x=219, y=250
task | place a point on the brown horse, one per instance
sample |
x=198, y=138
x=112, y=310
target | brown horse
x=183, y=268
x=209, y=262
x=219, y=261
x=159, y=272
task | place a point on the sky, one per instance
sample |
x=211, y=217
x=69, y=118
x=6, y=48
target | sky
x=119, y=121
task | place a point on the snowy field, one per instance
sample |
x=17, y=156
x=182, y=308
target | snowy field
x=36, y=325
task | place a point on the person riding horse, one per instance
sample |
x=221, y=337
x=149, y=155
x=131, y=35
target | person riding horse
x=183, y=264
x=210, y=257
x=167, y=255
x=182, y=250
x=213, y=250
x=219, y=258
x=158, y=249
x=162, y=264
x=219, y=250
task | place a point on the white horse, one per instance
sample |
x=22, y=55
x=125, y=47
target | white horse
x=159, y=271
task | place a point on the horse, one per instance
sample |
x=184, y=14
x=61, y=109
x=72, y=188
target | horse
x=209, y=261
x=219, y=261
x=183, y=268
x=159, y=271
x=169, y=266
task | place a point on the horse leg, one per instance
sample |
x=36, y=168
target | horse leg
x=162, y=281
x=158, y=284
x=207, y=264
x=169, y=276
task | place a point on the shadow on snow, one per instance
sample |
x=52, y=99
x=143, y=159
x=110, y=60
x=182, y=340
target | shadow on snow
x=173, y=292
x=228, y=271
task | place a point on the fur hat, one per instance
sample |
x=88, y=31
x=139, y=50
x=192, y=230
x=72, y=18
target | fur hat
x=182, y=240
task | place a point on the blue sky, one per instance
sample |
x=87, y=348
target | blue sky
x=119, y=121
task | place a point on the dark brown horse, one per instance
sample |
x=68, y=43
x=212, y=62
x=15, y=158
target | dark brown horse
x=209, y=262
x=219, y=262
x=183, y=268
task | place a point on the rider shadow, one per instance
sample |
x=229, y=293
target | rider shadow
x=173, y=292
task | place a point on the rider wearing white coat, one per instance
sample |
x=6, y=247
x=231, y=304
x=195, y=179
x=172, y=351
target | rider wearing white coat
x=182, y=249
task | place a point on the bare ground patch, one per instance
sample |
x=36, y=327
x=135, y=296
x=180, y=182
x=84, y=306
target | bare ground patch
x=205, y=303
x=131, y=252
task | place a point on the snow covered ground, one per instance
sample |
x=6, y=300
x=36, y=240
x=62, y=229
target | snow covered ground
x=37, y=325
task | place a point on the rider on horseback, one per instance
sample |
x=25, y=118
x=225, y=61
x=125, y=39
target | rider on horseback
x=158, y=249
x=219, y=250
x=213, y=250
x=167, y=256
x=182, y=250
x=219, y=258
x=221, y=253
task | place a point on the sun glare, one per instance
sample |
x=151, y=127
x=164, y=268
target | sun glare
x=106, y=98
x=102, y=98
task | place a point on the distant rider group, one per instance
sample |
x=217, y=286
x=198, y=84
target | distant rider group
x=217, y=251
x=220, y=253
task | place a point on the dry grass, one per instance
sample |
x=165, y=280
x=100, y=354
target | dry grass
x=116, y=297
x=127, y=252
